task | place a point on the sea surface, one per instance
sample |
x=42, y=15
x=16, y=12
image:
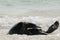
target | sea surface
x=47, y=8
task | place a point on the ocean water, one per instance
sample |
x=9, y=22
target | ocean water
x=29, y=2
x=48, y=8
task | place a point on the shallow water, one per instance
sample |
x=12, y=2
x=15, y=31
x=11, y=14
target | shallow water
x=7, y=22
x=48, y=8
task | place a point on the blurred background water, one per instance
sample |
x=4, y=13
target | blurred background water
x=30, y=8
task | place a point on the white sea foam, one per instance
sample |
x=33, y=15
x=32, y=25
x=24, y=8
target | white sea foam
x=45, y=23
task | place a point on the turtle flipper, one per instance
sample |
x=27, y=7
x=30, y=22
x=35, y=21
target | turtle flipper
x=53, y=27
